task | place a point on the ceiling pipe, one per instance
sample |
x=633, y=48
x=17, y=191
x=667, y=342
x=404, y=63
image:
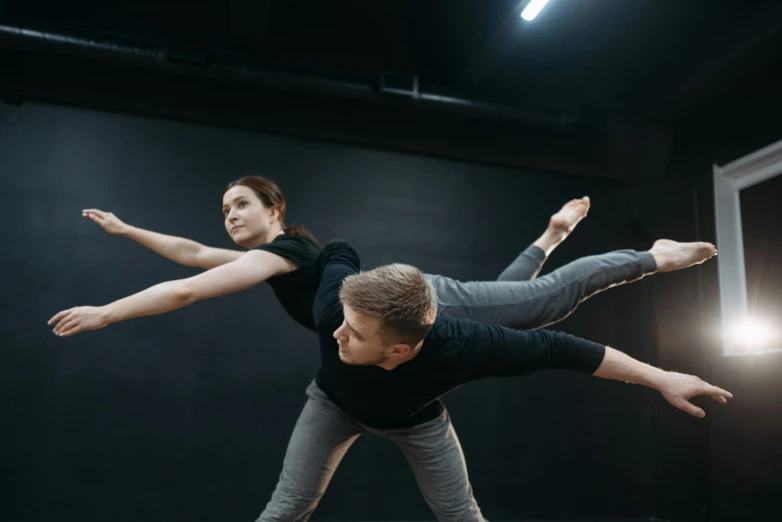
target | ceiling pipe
x=374, y=89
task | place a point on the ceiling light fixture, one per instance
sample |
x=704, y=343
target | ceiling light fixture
x=532, y=9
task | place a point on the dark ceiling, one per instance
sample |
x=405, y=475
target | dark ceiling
x=579, y=63
x=651, y=58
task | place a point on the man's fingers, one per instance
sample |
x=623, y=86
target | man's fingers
x=94, y=211
x=716, y=393
x=692, y=409
x=722, y=392
x=719, y=397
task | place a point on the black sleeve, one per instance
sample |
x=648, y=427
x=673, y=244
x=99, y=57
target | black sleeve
x=298, y=249
x=336, y=261
x=495, y=351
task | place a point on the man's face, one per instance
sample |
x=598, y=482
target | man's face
x=360, y=342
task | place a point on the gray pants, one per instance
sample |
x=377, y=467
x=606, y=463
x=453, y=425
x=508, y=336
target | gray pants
x=518, y=300
x=324, y=433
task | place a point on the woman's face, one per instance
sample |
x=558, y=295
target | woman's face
x=247, y=220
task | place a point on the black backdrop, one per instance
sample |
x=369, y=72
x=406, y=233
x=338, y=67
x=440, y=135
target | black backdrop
x=186, y=415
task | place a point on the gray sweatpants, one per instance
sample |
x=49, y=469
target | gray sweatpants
x=324, y=433
x=518, y=300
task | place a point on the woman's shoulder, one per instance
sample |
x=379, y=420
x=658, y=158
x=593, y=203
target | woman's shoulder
x=300, y=249
x=295, y=239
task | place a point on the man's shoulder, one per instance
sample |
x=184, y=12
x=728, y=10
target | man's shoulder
x=452, y=335
x=450, y=344
x=449, y=328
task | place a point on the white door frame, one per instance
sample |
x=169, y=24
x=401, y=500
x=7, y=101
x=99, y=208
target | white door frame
x=729, y=179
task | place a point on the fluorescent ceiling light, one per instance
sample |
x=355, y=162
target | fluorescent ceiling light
x=532, y=9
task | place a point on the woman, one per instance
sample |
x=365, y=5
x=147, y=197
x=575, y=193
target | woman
x=254, y=210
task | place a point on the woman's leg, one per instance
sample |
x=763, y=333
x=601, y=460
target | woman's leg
x=548, y=299
x=526, y=305
x=527, y=266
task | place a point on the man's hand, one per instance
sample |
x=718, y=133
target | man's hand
x=678, y=389
x=76, y=320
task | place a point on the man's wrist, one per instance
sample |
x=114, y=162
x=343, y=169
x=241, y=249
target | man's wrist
x=655, y=378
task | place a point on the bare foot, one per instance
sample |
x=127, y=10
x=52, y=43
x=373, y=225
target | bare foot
x=671, y=255
x=564, y=221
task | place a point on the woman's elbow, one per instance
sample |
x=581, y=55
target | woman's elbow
x=184, y=294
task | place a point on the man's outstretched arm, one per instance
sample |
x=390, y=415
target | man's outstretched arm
x=495, y=351
x=677, y=388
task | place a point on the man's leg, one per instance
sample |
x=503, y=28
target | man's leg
x=320, y=439
x=436, y=457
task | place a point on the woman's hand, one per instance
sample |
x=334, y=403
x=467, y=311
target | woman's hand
x=77, y=320
x=107, y=220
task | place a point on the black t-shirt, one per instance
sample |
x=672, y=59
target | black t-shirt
x=453, y=353
x=296, y=290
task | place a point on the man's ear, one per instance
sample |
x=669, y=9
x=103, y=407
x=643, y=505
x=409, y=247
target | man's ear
x=399, y=350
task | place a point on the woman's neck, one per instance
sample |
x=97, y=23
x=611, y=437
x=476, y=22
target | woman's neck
x=275, y=231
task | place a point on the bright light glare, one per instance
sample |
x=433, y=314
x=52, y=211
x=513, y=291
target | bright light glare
x=532, y=9
x=753, y=334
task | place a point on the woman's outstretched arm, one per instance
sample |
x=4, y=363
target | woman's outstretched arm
x=249, y=270
x=179, y=249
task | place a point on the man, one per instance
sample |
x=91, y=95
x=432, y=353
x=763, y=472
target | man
x=387, y=358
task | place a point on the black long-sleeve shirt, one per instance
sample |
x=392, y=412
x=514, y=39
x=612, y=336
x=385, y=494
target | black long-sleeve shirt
x=453, y=353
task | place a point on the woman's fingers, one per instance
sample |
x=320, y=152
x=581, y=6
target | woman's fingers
x=95, y=215
x=58, y=317
x=66, y=325
x=71, y=329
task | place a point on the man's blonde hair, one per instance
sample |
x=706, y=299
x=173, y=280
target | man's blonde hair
x=398, y=296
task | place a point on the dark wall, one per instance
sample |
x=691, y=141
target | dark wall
x=728, y=467
x=742, y=478
x=745, y=453
x=674, y=301
x=187, y=415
